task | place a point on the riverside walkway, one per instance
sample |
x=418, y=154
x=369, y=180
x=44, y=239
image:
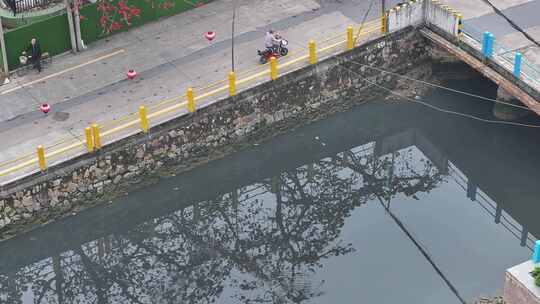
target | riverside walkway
x=91, y=87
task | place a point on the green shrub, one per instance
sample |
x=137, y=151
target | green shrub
x=536, y=275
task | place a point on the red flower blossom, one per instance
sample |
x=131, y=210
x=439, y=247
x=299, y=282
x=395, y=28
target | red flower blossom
x=116, y=16
x=122, y=5
x=135, y=11
x=124, y=13
x=101, y=7
x=115, y=26
x=105, y=7
x=103, y=20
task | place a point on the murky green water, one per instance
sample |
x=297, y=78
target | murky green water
x=388, y=203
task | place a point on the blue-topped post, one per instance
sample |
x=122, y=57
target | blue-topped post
x=536, y=253
x=485, y=39
x=517, y=65
x=489, y=47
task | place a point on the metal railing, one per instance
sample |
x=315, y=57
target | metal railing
x=19, y=6
x=491, y=208
x=101, y=133
x=529, y=70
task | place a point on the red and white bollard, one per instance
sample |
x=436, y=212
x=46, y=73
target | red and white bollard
x=210, y=35
x=131, y=74
x=45, y=108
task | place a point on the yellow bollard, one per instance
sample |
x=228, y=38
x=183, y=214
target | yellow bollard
x=350, y=43
x=383, y=24
x=190, y=100
x=97, y=139
x=41, y=158
x=89, y=139
x=312, y=52
x=232, y=84
x=460, y=26
x=143, y=118
x=273, y=68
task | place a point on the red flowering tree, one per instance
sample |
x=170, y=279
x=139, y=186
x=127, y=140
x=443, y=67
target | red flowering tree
x=115, y=16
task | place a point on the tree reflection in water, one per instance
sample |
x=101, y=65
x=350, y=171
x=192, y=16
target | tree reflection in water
x=262, y=243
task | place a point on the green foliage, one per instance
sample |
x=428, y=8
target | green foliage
x=98, y=20
x=536, y=275
x=52, y=34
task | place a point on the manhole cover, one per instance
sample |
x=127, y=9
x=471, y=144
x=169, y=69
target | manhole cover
x=61, y=116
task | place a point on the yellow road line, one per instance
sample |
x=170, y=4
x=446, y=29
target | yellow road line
x=62, y=72
x=18, y=167
x=368, y=30
x=370, y=27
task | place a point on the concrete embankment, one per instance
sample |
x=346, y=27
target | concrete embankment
x=311, y=93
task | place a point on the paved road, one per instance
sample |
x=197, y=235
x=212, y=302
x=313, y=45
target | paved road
x=171, y=55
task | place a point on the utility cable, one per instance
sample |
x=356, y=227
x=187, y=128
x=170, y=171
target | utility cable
x=419, y=101
x=363, y=21
x=423, y=251
x=443, y=87
x=233, y=22
x=512, y=23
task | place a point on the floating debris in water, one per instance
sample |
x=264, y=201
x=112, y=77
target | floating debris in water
x=176, y=188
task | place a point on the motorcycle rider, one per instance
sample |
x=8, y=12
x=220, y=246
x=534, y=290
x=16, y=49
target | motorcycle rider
x=271, y=40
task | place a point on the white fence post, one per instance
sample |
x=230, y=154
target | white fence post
x=4, y=52
x=410, y=13
x=442, y=16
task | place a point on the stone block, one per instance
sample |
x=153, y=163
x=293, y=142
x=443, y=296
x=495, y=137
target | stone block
x=519, y=286
x=117, y=179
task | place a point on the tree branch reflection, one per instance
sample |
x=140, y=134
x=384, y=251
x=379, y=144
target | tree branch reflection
x=261, y=243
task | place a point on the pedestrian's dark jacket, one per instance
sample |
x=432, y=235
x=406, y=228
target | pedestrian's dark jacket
x=35, y=51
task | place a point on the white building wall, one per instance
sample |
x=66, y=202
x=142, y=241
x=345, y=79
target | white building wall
x=414, y=13
x=402, y=16
x=441, y=16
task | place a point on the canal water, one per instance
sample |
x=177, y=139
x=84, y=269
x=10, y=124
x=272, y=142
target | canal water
x=391, y=202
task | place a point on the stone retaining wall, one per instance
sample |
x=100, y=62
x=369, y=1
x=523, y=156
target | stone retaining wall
x=296, y=98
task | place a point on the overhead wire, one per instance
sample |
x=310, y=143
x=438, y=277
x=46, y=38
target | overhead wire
x=512, y=23
x=363, y=21
x=439, y=109
x=423, y=251
x=443, y=87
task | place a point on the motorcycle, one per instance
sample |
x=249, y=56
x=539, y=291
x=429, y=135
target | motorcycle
x=278, y=50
